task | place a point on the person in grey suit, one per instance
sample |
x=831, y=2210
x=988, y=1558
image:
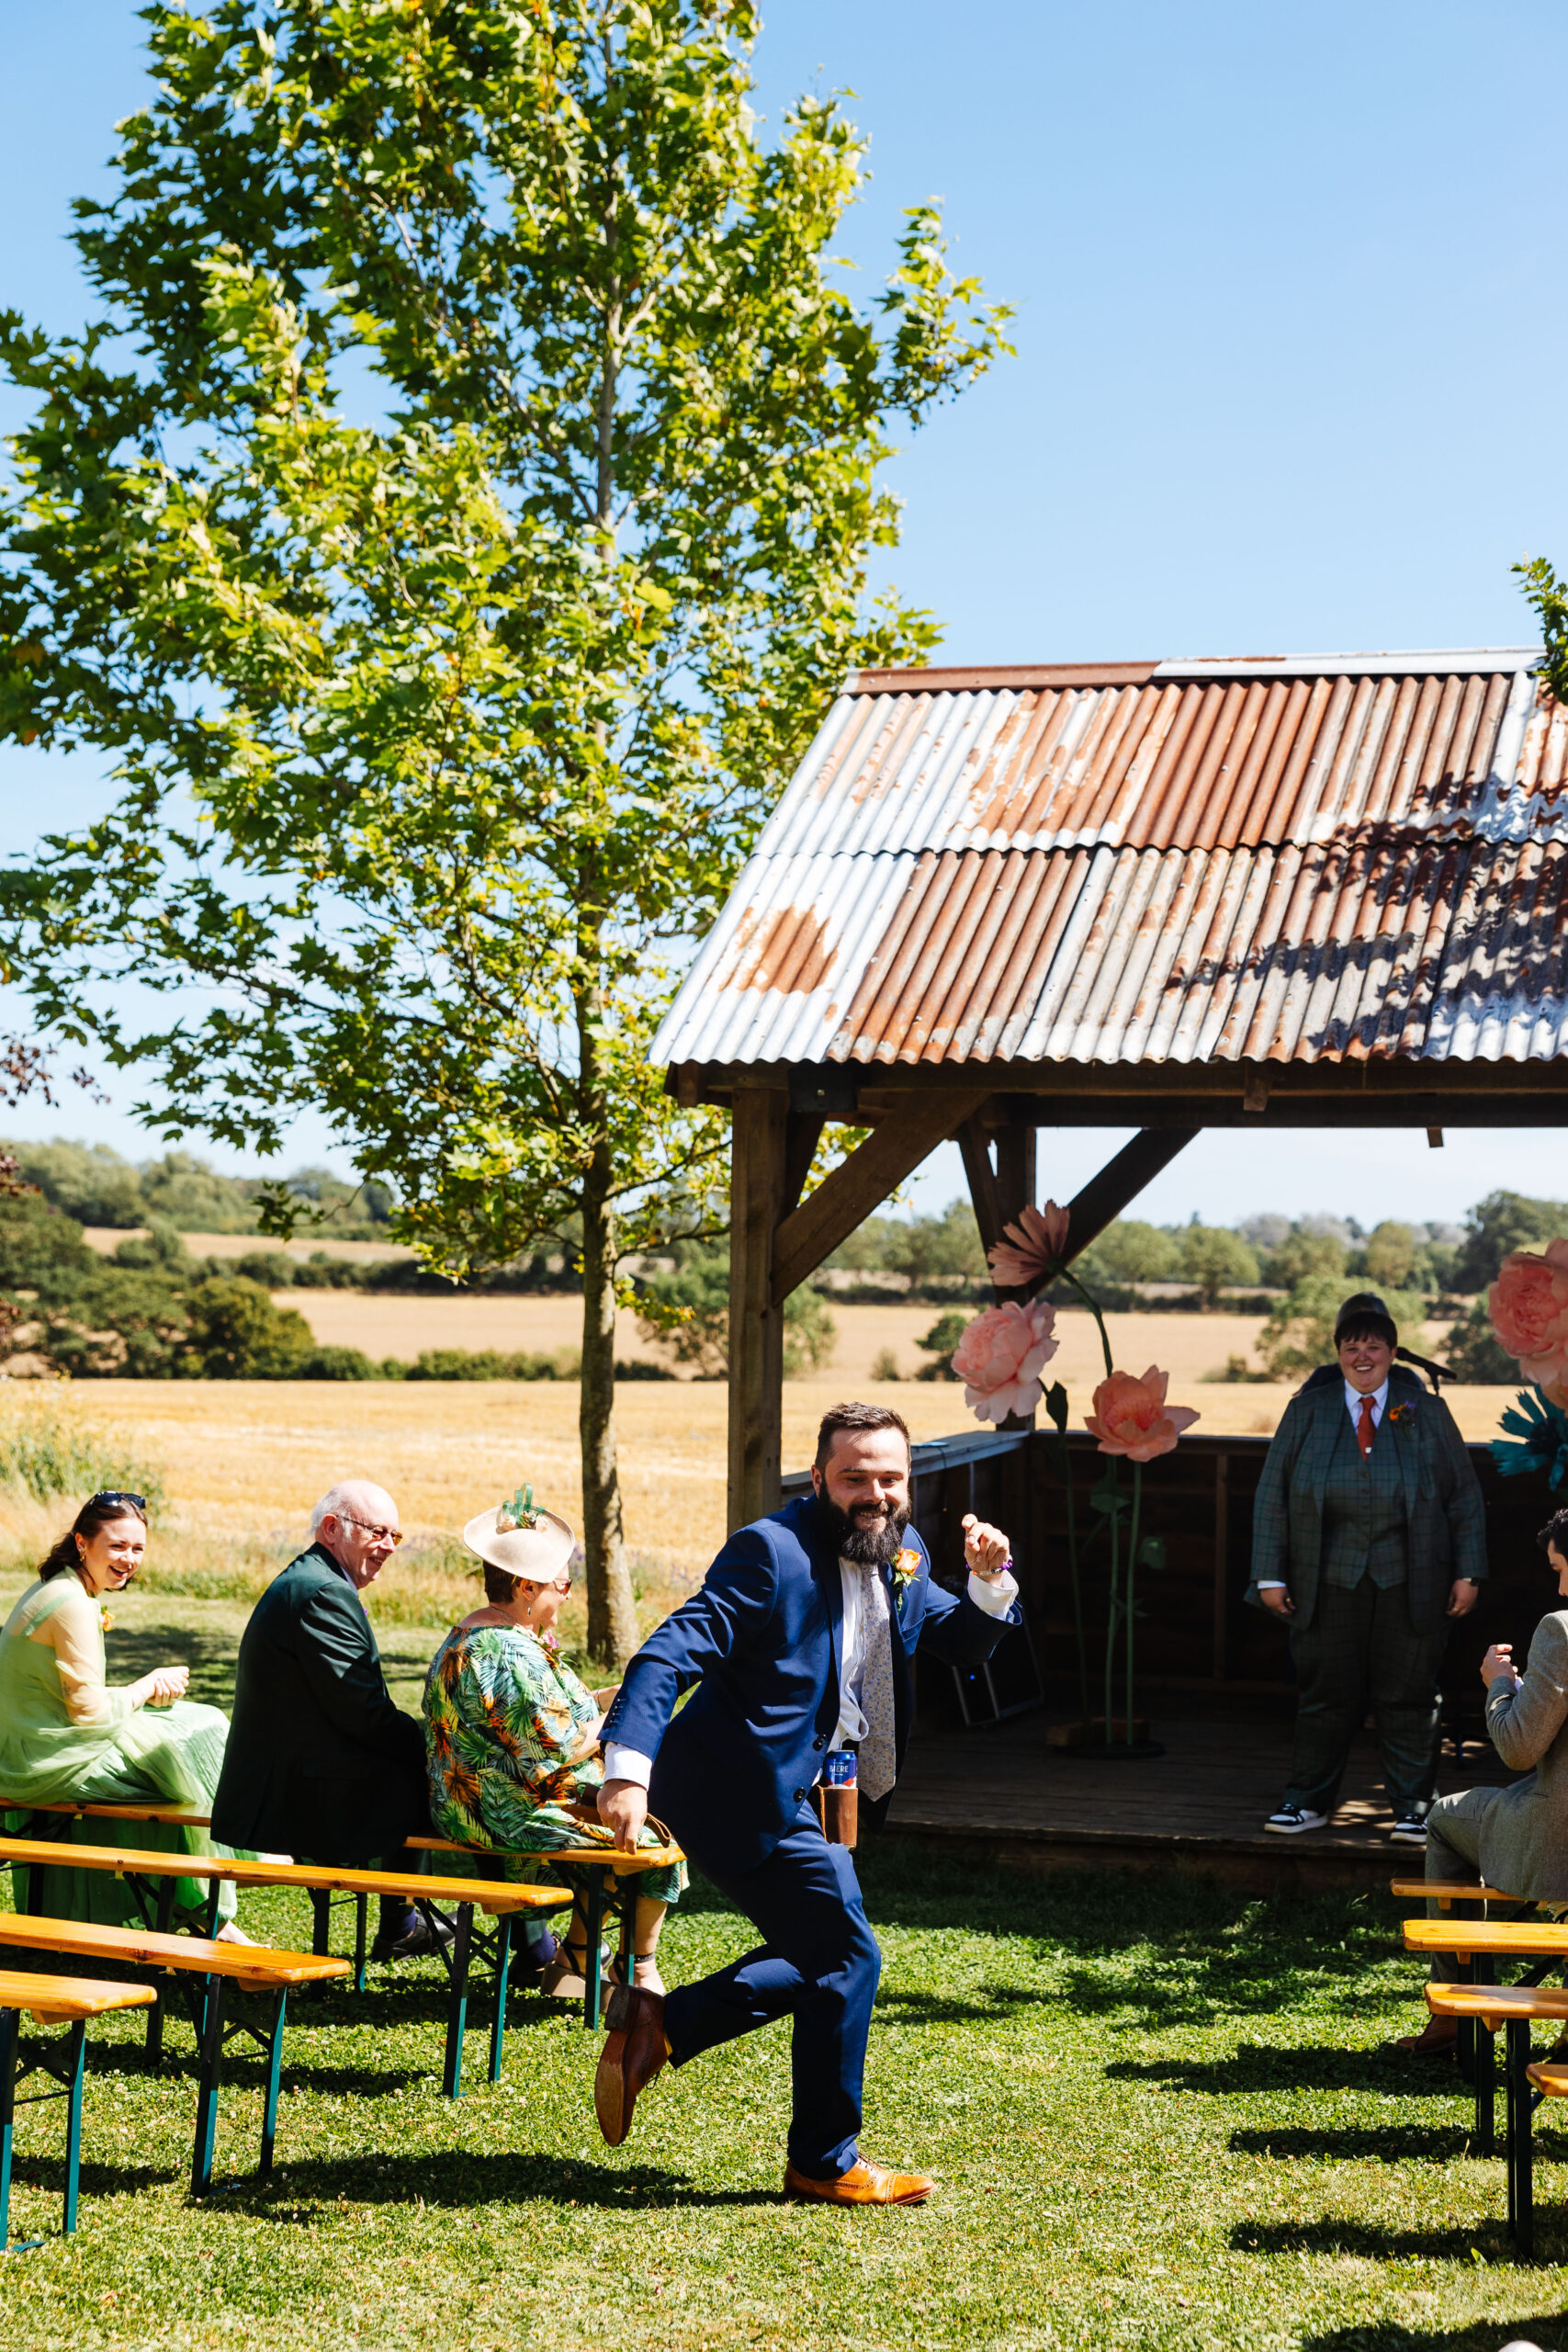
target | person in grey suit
x=1516, y=1838
x=1369, y=1536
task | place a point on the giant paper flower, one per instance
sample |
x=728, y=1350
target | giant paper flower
x=1131, y=1417
x=1529, y=1311
x=1000, y=1357
x=1036, y=1241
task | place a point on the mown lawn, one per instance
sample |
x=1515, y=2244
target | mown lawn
x=1159, y=2111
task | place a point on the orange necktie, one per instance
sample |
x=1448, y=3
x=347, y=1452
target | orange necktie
x=1364, y=1430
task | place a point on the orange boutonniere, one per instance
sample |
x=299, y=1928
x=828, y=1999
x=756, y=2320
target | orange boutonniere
x=106, y=1618
x=906, y=1565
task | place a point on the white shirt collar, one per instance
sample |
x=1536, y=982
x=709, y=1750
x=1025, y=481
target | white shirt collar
x=1353, y=1401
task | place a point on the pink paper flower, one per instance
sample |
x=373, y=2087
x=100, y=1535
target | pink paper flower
x=1000, y=1357
x=1529, y=1311
x=1131, y=1417
x=1036, y=1241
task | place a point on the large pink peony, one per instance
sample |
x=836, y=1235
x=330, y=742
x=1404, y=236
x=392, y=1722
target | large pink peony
x=1000, y=1357
x=1036, y=1241
x=1529, y=1311
x=1132, y=1416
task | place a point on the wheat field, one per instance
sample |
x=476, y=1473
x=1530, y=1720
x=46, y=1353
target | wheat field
x=242, y=1462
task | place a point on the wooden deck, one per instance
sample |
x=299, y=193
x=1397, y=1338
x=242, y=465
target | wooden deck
x=1198, y=1808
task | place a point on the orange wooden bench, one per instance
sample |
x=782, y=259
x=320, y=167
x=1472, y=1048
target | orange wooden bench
x=51, y=2000
x=216, y=1967
x=1512, y=2010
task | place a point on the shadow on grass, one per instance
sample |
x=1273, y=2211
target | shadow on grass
x=1391, y=2143
x=1487, y=2235
x=462, y=2178
x=137, y=1649
x=1546, y=2329
x=46, y=2174
x=1259, y=2066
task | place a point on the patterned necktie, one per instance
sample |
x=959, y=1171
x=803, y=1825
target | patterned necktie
x=878, y=1749
x=1364, y=1432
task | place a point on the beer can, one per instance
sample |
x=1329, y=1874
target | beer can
x=839, y=1770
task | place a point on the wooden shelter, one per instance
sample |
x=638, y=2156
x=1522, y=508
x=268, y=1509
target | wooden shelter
x=1261, y=892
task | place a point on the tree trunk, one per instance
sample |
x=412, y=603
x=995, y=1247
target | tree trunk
x=612, y=1610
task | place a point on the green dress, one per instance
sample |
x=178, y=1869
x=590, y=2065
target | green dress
x=152, y=1754
x=501, y=1718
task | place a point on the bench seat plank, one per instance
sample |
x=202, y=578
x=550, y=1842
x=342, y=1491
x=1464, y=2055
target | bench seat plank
x=1495, y=2003
x=1496, y=1938
x=252, y=1966
x=178, y=1816
x=417, y=1886
x=648, y=1858
x=54, y=1998
x=1449, y=1890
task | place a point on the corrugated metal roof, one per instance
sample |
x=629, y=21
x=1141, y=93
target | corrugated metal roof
x=1346, y=856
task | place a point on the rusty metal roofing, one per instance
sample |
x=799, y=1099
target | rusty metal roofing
x=1304, y=858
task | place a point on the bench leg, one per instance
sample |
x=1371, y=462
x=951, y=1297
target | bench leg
x=207, y=2089
x=209, y=1921
x=321, y=1921
x=361, y=1913
x=274, y=2075
x=457, y=2011
x=1521, y=2151
x=502, y=1984
x=592, y=1970
x=10, y=2035
x=78, y=2061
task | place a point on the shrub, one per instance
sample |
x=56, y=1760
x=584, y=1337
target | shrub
x=491, y=1363
x=340, y=1363
x=938, y=1343
x=885, y=1365
x=236, y=1333
x=44, y=1455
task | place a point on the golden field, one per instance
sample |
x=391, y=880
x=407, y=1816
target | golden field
x=242, y=1462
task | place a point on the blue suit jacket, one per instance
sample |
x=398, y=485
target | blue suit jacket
x=759, y=1648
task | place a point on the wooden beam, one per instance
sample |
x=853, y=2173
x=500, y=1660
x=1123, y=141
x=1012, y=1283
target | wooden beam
x=974, y=1143
x=860, y=1185
x=758, y=1137
x=802, y=1131
x=1105, y=1196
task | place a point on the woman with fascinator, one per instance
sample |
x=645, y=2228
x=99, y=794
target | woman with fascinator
x=512, y=1735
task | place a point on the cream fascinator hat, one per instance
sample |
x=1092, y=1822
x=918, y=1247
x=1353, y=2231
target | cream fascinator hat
x=522, y=1539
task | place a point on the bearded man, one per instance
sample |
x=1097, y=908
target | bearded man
x=800, y=1643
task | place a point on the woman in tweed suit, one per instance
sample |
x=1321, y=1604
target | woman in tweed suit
x=1369, y=1536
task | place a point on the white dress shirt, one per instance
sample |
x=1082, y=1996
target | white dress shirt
x=995, y=1598
x=1354, y=1400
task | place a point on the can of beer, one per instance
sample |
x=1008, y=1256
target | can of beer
x=839, y=1767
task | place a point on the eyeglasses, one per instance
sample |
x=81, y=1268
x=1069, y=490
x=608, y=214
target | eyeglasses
x=393, y=1535
x=117, y=1495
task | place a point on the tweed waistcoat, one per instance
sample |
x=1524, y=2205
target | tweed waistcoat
x=1363, y=1511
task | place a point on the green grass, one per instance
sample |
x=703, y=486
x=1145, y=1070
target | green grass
x=1159, y=2111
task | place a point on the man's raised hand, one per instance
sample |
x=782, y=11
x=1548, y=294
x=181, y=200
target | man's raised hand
x=985, y=1549
x=623, y=1807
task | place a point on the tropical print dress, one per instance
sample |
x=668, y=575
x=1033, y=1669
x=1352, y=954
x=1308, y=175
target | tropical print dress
x=508, y=1743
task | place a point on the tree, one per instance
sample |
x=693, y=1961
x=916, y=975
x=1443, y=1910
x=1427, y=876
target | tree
x=1215, y=1260
x=690, y=1319
x=1504, y=1222
x=927, y=1249
x=1475, y=1354
x=442, y=725
x=1393, y=1257
x=1548, y=595
x=236, y=1333
x=1306, y=1254
x=1299, y=1334
x=1131, y=1251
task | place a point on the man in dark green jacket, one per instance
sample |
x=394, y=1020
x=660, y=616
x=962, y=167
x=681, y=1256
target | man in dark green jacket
x=320, y=1763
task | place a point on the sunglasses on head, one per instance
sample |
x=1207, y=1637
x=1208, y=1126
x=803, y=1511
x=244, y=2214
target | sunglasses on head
x=117, y=1494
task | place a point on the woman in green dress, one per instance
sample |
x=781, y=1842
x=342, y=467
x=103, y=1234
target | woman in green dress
x=67, y=1738
x=512, y=1735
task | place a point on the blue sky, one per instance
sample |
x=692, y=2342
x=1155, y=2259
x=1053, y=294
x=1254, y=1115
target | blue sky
x=1291, y=359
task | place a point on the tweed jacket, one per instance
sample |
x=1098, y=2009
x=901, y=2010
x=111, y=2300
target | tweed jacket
x=319, y=1760
x=1524, y=1837
x=1445, y=1518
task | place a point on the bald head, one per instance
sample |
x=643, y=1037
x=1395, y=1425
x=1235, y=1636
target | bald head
x=356, y=1522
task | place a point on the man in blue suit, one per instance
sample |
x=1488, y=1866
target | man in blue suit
x=800, y=1643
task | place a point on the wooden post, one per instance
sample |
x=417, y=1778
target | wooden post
x=1221, y=1559
x=756, y=1320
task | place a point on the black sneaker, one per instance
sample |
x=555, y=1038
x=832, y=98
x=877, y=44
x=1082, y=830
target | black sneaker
x=1290, y=1819
x=1410, y=1830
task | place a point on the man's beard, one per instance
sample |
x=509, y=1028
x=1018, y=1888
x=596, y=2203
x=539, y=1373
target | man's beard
x=869, y=1543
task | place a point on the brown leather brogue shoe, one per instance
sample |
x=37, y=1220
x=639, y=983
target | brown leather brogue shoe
x=863, y=2184
x=1438, y=2038
x=635, y=2050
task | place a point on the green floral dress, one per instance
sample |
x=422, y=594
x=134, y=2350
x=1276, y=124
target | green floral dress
x=503, y=1722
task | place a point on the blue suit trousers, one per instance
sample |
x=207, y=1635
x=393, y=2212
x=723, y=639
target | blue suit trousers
x=818, y=1964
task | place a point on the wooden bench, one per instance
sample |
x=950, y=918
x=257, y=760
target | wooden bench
x=216, y=1968
x=1444, y=1891
x=1471, y=1942
x=1512, y=2010
x=51, y=2000
x=422, y=1890
x=600, y=1864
